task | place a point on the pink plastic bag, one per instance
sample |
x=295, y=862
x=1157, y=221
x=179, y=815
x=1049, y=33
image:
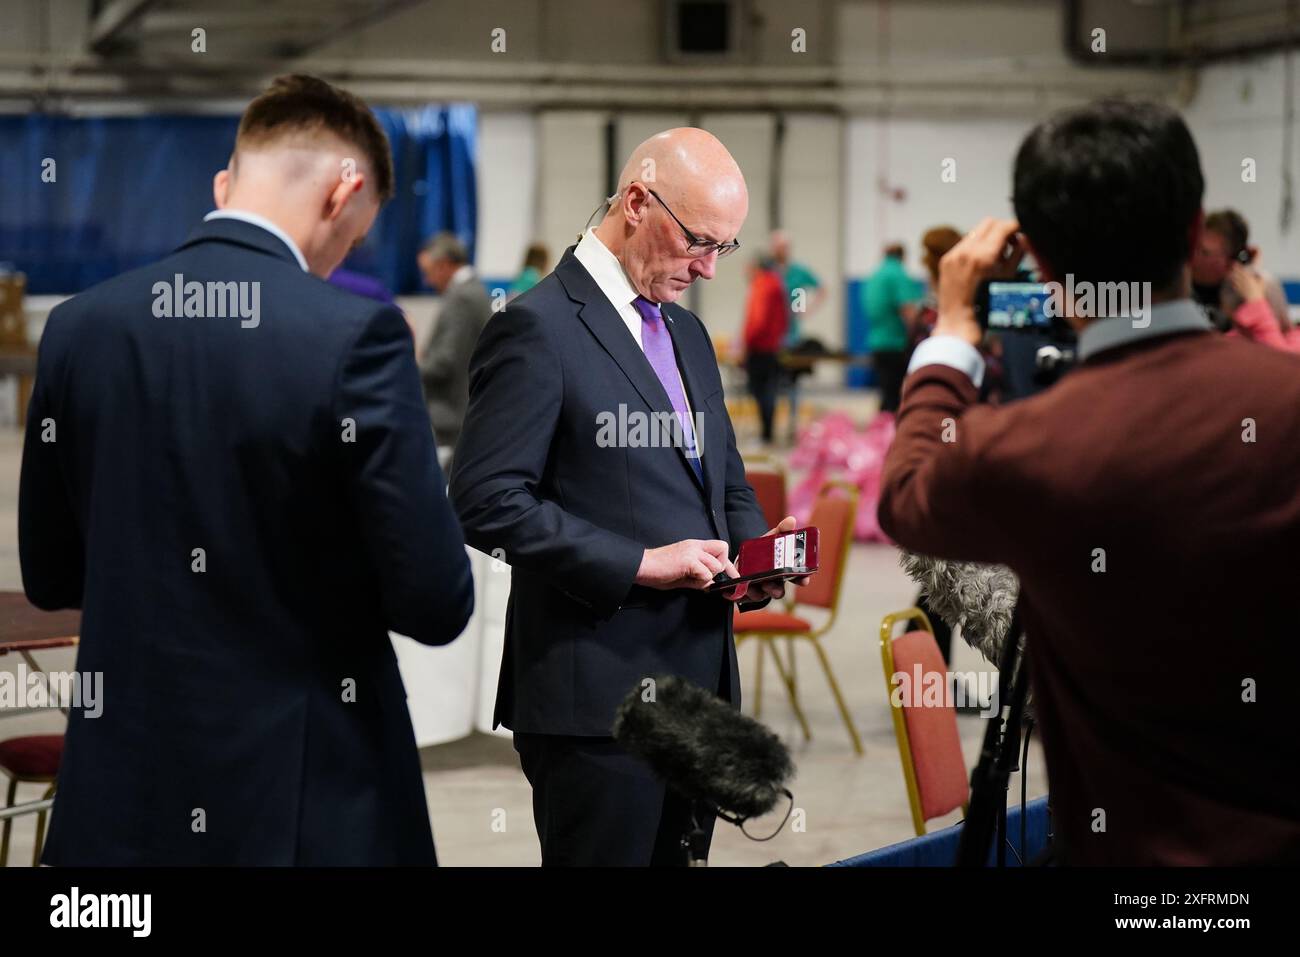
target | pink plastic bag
x=833, y=448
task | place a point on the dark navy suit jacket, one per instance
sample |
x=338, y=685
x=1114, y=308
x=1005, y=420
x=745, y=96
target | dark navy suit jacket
x=573, y=514
x=253, y=712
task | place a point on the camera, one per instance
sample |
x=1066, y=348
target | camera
x=1038, y=343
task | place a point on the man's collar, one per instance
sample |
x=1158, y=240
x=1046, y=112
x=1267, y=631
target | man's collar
x=253, y=219
x=1166, y=319
x=605, y=269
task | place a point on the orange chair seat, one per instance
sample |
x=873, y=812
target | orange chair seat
x=32, y=756
x=764, y=620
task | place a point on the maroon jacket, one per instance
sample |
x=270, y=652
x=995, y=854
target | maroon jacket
x=1139, y=671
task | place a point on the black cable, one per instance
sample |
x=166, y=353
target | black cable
x=1019, y=860
x=1024, y=778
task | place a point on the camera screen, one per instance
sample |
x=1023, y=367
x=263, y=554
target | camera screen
x=1018, y=305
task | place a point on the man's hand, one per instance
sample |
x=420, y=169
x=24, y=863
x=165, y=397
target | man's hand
x=687, y=564
x=757, y=591
x=992, y=250
x=1248, y=283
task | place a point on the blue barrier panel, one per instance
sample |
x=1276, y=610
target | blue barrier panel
x=855, y=335
x=939, y=849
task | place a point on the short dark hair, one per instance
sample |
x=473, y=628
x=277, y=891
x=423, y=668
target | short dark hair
x=1108, y=192
x=298, y=103
x=1232, y=226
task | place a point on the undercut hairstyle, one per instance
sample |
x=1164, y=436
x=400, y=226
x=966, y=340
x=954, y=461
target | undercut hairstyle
x=297, y=104
x=1108, y=192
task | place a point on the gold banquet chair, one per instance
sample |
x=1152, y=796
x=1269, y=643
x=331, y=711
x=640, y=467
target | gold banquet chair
x=929, y=746
x=834, y=514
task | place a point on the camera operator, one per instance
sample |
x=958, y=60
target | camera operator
x=1149, y=503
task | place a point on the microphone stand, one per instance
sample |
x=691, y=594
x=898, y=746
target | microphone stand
x=990, y=782
x=693, y=839
x=693, y=849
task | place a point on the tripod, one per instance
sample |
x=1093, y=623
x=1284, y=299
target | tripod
x=990, y=781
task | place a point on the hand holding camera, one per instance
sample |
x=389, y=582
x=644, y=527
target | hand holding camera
x=992, y=249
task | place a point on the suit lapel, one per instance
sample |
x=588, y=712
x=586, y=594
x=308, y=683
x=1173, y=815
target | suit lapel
x=604, y=322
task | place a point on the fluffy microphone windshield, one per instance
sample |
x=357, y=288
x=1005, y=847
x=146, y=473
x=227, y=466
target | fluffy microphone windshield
x=703, y=748
x=978, y=598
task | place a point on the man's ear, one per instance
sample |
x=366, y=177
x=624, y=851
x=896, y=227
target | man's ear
x=635, y=198
x=221, y=188
x=343, y=191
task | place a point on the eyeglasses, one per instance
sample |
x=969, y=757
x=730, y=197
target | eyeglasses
x=696, y=247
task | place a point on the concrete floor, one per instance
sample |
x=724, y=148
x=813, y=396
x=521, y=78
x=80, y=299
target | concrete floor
x=479, y=799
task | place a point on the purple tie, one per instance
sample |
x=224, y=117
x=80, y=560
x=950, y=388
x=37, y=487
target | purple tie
x=658, y=347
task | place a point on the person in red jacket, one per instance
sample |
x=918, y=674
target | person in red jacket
x=767, y=318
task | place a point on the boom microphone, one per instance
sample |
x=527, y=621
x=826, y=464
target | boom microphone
x=978, y=598
x=704, y=749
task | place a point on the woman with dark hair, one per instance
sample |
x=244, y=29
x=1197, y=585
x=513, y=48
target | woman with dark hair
x=537, y=261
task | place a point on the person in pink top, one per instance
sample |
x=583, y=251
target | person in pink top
x=1255, y=318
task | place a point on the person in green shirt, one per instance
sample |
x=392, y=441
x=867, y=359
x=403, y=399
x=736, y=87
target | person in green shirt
x=806, y=296
x=889, y=301
x=536, y=261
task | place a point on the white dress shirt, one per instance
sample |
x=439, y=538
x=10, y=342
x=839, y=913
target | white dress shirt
x=464, y=274
x=261, y=221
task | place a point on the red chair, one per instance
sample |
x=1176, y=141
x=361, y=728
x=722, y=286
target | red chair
x=928, y=743
x=31, y=759
x=768, y=483
x=834, y=514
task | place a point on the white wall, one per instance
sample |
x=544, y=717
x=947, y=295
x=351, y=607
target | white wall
x=813, y=213
x=907, y=155
x=507, y=191
x=1237, y=114
x=571, y=174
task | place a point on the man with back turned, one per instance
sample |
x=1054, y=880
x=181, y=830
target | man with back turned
x=229, y=469
x=1149, y=502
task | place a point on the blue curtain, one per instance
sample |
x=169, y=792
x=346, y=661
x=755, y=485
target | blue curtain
x=128, y=190
x=433, y=162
